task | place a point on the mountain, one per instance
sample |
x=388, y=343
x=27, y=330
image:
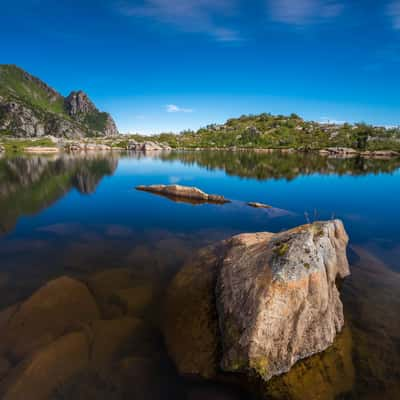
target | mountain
x=31, y=108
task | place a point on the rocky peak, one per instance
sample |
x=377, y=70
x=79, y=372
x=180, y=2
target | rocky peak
x=79, y=103
x=110, y=128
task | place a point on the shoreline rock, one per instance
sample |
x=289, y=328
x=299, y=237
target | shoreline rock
x=262, y=302
x=41, y=150
x=183, y=192
x=380, y=154
x=146, y=146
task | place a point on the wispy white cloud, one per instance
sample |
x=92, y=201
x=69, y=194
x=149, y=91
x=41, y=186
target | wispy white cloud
x=173, y=108
x=198, y=16
x=303, y=12
x=393, y=11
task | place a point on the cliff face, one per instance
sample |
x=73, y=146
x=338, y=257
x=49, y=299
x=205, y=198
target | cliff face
x=31, y=108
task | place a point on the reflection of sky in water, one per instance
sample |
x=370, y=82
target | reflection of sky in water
x=367, y=204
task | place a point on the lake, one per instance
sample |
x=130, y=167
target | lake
x=80, y=216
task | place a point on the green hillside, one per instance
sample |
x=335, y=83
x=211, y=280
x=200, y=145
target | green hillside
x=31, y=108
x=284, y=132
x=16, y=83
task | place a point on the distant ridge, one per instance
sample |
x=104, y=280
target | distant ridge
x=267, y=131
x=31, y=108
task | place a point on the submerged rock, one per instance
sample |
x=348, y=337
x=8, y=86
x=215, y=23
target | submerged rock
x=190, y=318
x=112, y=339
x=38, y=376
x=325, y=376
x=183, y=192
x=118, y=292
x=59, y=306
x=262, y=302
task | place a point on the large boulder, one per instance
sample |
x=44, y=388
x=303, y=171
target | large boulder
x=262, y=302
x=61, y=305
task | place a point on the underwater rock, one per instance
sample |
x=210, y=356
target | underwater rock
x=120, y=292
x=112, y=339
x=190, y=318
x=183, y=192
x=266, y=300
x=324, y=376
x=4, y=367
x=47, y=369
x=59, y=306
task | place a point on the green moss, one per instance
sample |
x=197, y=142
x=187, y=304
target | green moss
x=238, y=365
x=260, y=366
x=307, y=265
x=281, y=249
x=317, y=230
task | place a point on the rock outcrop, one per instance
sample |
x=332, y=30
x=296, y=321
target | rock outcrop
x=342, y=151
x=262, y=302
x=78, y=104
x=30, y=108
x=258, y=205
x=183, y=192
x=146, y=146
x=41, y=150
x=380, y=154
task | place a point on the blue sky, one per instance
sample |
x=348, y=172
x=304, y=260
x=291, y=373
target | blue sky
x=167, y=65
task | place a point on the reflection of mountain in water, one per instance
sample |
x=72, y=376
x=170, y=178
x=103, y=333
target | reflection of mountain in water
x=277, y=165
x=28, y=185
